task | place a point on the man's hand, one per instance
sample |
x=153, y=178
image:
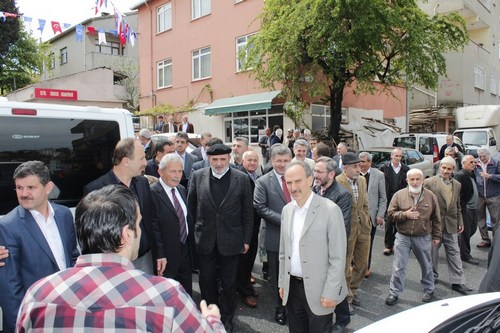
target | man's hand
x=460, y=229
x=4, y=253
x=282, y=292
x=412, y=214
x=246, y=248
x=435, y=242
x=160, y=265
x=209, y=310
x=327, y=303
x=379, y=220
x=485, y=175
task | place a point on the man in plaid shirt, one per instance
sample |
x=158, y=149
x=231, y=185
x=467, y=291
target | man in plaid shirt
x=104, y=291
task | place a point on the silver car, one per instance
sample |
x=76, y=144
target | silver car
x=411, y=157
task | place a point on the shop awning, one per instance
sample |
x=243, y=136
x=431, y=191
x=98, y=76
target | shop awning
x=251, y=102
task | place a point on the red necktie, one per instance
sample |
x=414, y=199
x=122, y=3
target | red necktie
x=182, y=219
x=288, y=198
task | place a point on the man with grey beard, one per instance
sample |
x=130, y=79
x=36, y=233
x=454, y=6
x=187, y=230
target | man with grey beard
x=415, y=212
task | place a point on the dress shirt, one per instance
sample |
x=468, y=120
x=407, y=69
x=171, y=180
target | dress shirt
x=104, y=292
x=298, y=220
x=183, y=157
x=51, y=233
x=396, y=169
x=354, y=187
x=278, y=176
x=184, y=127
x=168, y=189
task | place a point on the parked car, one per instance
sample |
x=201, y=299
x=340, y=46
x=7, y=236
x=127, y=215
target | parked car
x=458, y=314
x=194, y=139
x=426, y=143
x=411, y=157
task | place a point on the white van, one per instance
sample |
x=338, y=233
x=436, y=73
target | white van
x=75, y=142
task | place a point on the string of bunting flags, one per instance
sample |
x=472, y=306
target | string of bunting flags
x=123, y=31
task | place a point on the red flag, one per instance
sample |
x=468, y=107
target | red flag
x=91, y=30
x=56, y=27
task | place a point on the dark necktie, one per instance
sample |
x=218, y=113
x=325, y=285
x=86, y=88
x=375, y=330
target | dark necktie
x=182, y=219
x=288, y=198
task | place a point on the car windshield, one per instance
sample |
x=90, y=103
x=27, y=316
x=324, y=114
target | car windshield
x=473, y=137
x=405, y=142
x=379, y=157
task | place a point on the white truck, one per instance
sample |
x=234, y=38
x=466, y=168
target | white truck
x=479, y=127
x=75, y=142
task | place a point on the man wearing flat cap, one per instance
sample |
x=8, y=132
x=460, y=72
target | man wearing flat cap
x=447, y=191
x=220, y=200
x=358, y=243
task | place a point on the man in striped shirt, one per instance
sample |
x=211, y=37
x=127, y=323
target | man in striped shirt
x=104, y=291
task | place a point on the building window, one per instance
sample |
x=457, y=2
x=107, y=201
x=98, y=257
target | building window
x=52, y=60
x=479, y=77
x=164, y=17
x=242, y=51
x=493, y=85
x=201, y=63
x=252, y=124
x=112, y=48
x=164, y=73
x=64, y=55
x=200, y=8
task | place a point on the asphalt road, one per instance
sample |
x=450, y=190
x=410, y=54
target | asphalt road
x=372, y=293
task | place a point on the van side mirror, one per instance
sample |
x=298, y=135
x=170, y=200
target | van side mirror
x=493, y=142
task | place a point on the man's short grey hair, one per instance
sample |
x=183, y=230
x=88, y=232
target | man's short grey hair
x=280, y=149
x=450, y=150
x=466, y=157
x=307, y=131
x=304, y=165
x=242, y=139
x=249, y=152
x=366, y=155
x=206, y=135
x=483, y=151
x=300, y=142
x=167, y=159
x=331, y=165
x=413, y=172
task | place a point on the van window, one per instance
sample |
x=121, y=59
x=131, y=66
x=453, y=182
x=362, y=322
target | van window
x=425, y=145
x=76, y=152
x=405, y=142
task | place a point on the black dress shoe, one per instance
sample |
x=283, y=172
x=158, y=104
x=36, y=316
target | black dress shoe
x=280, y=317
x=391, y=300
x=472, y=261
x=461, y=288
x=427, y=297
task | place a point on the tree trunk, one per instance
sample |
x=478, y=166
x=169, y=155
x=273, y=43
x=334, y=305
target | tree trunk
x=336, y=97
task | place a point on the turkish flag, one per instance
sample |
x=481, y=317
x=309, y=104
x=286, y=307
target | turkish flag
x=56, y=27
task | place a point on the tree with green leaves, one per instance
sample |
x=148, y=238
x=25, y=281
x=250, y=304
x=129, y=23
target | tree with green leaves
x=22, y=64
x=316, y=48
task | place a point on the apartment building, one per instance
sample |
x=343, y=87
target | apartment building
x=189, y=55
x=81, y=70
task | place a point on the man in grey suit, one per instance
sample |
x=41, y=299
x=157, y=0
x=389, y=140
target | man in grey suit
x=312, y=254
x=377, y=198
x=220, y=200
x=270, y=196
x=181, y=144
x=201, y=151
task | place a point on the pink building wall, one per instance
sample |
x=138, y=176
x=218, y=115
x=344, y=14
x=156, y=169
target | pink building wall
x=218, y=30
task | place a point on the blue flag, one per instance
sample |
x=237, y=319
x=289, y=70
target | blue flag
x=41, y=25
x=79, y=32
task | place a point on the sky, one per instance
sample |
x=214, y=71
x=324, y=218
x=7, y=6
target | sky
x=65, y=11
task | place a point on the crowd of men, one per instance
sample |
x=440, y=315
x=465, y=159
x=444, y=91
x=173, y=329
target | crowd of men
x=145, y=226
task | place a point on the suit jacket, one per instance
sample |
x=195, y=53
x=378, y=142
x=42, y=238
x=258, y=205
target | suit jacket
x=338, y=194
x=269, y=200
x=322, y=248
x=256, y=217
x=143, y=194
x=360, y=217
x=377, y=199
x=336, y=158
x=273, y=139
x=30, y=257
x=466, y=179
x=443, y=148
x=169, y=226
x=166, y=128
x=187, y=169
x=190, y=128
x=451, y=216
x=385, y=168
x=228, y=226
x=197, y=152
x=152, y=168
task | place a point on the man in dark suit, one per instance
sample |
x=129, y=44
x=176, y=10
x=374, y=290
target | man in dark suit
x=220, y=201
x=185, y=126
x=270, y=196
x=147, y=143
x=40, y=237
x=201, y=151
x=159, y=125
x=342, y=149
x=176, y=225
x=275, y=137
x=170, y=126
x=162, y=148
x=245, y=265
x=129, y=163
x=264, y=145
x=181, y=144
x=449, y=143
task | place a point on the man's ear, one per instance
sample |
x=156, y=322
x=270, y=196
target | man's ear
x=127, y=235
x=48, y=188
